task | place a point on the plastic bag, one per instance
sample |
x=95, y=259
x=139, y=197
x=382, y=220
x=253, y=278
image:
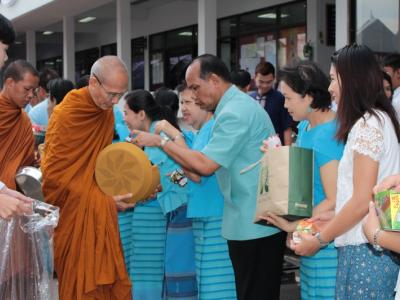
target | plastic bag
x=26, y=255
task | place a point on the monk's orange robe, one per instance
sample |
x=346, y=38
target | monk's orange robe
x=16, y=141
x=88, y=253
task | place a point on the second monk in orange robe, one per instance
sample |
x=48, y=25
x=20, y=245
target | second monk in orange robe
x=88, y=254
x=16, y=138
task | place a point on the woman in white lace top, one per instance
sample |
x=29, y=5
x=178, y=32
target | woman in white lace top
x=368, y=125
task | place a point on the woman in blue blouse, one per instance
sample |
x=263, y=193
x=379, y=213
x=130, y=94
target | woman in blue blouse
x=307, y=99
x=156, y=236
x=215, y=277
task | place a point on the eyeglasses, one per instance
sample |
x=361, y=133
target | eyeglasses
x=34, y=91
x=110, y=95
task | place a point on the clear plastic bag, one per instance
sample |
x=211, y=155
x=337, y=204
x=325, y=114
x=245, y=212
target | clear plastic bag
x=26, y=255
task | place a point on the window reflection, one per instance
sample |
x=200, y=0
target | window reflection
x=377, y=25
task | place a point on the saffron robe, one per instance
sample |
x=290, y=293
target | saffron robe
x=16, y=141
x=88, y=254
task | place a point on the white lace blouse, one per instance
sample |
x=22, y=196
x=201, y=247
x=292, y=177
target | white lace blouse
x=376, y=138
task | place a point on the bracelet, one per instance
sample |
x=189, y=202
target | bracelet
x=177, y=137
x=375, y=240
x=322, y=244
x=164, y=140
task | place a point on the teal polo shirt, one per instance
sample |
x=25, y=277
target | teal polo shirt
x=241, y=125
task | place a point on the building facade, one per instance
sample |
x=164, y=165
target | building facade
x=158, y=38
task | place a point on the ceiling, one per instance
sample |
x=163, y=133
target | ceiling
x=49, y=17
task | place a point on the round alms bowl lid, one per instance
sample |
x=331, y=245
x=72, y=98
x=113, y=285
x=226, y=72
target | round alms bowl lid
x=123, y=168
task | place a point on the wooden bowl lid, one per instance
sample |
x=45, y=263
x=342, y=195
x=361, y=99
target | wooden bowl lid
x=155, y=181
x=124, y=168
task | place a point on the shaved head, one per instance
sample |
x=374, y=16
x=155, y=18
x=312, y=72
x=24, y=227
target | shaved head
x=107, y=66
x=108, y=81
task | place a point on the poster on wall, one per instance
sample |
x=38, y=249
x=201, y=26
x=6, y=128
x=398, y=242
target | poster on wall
x=157, y=68
x=270, y=51
x=260, y=46
x=301, y=41
x=248, y=57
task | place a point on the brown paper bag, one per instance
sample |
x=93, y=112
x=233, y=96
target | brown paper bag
x=286, y=183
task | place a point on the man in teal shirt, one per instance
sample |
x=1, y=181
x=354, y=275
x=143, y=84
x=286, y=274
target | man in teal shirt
x=240, y=127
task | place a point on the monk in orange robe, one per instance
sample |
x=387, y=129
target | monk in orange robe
x=88, y=253
x=16, y=138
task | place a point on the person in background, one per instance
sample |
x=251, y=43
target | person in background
x=7, y=37
x=368, y=125
x=391, y=65
x=16, y=137
x=242, y=79
x=387, y=85
x=82, y=82
x=214, y=272
x=37, y=108
x=58, y=88
x=168, y=99
x=160, y=224
x=307, y=99
x=272, y=101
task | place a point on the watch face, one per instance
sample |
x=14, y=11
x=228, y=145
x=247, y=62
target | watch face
x=8, y=2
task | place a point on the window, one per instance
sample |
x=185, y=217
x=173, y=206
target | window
x=84, y=60
x=138, y=47
x=265, y=19
x=55, y=63
x=170, y=53
x=292, y=14
x=110, y=49
x=377, y=24
x=275, y=34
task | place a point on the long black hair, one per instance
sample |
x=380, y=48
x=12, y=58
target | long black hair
x=138, y=100
x=361, y=88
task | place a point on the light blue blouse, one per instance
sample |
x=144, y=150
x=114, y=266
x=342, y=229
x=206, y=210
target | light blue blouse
x=172, y=195
x=321, y=139
x=240, y=127
x=205, y=197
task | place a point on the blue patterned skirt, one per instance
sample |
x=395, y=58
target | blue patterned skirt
x=364, y=273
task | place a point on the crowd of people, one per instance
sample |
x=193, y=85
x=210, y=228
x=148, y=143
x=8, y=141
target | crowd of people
x=195, y=238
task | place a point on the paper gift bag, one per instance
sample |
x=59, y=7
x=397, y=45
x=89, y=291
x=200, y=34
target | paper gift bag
x=286, y=183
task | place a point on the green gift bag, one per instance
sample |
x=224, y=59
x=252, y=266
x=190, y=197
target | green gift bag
x=285, y=185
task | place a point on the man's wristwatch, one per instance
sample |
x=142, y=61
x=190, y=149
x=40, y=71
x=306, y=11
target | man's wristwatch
x=322, y=244
x=375, y=240
x=164, y=140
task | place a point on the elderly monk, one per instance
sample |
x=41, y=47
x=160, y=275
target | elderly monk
x=16, y=138
x=88, y=254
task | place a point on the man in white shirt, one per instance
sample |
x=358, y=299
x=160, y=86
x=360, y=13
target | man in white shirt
x=391, y=64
